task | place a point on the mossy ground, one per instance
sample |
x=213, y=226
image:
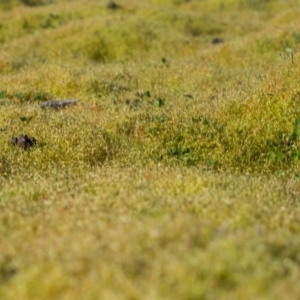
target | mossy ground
x=177, y=174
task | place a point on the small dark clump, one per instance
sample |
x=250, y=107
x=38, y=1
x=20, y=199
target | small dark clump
x=113, y=5
x=216, y=41
x=23, y=141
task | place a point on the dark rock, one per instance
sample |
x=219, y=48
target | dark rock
x=216, y=41
x=58, y=104
x=113, y=5
x=23, y=141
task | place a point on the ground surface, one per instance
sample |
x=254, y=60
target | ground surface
x=176, y=176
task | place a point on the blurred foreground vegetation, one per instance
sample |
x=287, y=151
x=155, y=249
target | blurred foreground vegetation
x=177, y=174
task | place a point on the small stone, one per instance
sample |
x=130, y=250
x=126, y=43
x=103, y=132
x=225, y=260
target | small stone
x=216, y=41
x=58, y=104
x=23, y=141
x=112, y=5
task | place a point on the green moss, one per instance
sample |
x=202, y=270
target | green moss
x=177, y=172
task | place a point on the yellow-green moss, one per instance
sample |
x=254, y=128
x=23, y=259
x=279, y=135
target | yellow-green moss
x=176, y=175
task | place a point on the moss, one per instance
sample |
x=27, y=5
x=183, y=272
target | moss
x=177, y=172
